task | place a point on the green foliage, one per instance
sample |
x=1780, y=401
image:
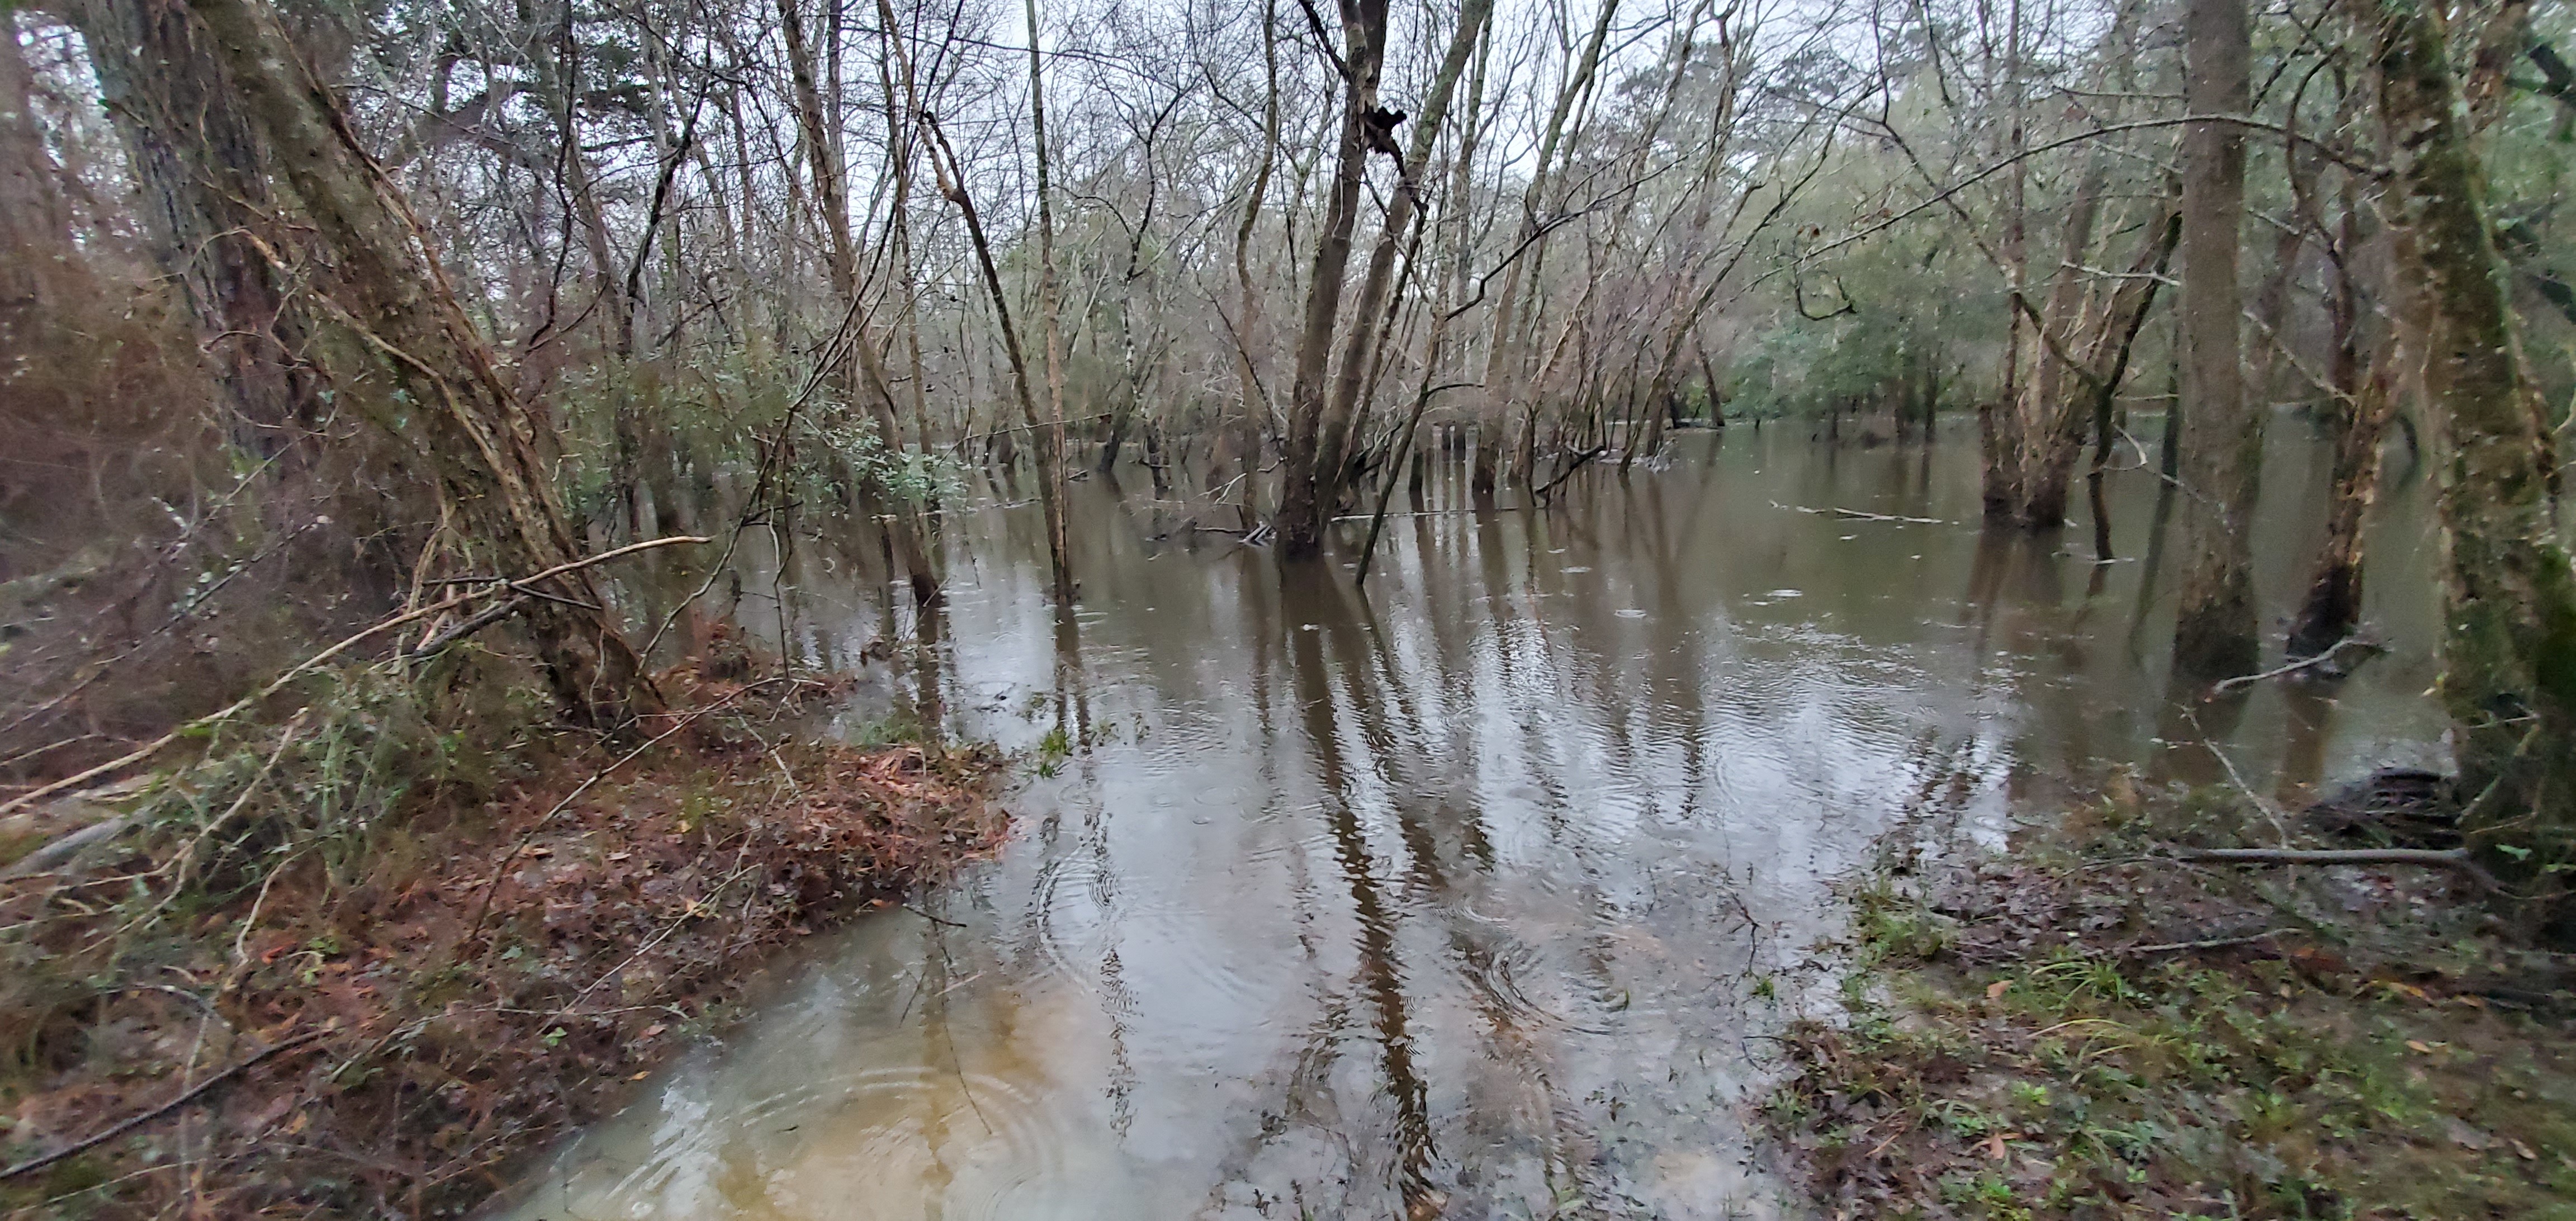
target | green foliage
x=675, y=427
x=1878, y=360
x=1053, y=750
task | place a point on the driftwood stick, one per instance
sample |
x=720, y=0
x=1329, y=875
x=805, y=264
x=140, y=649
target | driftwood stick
x=64, y=848
x=2454, y=859
x=2211, y=943
x=1588, y=455
x=1858, y=515
x=112, y=1131
x=2224, y=686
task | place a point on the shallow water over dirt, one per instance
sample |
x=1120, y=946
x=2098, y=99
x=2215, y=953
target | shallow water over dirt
x=1478, y=896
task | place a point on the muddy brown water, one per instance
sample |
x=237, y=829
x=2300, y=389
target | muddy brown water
x=1483, y=895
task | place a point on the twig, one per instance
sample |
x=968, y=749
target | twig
x=185, y=1097
x=481, y=619
x=931, y=918
x=1858, y=515
x=157, y=745
x=1393, y=516
x=2224, y=686
x=1588, y=455
x=2454, y=859
x=2271, y=809
x=2214, y=943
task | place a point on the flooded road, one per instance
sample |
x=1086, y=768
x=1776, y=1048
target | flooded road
x=1478, y=896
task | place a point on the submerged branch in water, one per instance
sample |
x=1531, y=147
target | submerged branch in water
x=2305, y=663
x=1858, y=515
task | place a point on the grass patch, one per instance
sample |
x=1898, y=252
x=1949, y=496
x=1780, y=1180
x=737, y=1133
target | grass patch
x=2095, y=1033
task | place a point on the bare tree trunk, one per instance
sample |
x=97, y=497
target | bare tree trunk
x=489, y=457
x=841, y=257
x=2363, y=398
x=2222, y=452
x=1243, y=434
x=2024, y=433
x=2509, y=645
x=905, y=139
x=1504, y=356
x=1302, y=504
x=2333, y=603
x=950, y=173
x=1051, y=455
x=1377, y=285
x=2056, y=440
x=35, y=227
x=198, y=163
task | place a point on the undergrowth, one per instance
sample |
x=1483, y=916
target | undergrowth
x=438, y=932
x=2093, y=1032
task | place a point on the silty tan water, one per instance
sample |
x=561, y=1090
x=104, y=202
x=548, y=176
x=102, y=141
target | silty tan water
x=1482, y=895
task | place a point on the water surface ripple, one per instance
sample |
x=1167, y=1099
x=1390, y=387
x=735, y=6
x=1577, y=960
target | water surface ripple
x=1478, y=896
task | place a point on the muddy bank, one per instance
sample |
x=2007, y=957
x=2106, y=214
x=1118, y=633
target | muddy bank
x=370, y=1009
x=2093, y=1029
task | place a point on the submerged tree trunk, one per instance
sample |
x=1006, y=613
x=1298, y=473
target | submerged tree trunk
x=2222, y=451
x=950, y=172
x=2509, y=639
x=1306, y=483
x=1242, y=435
x=379, y=286
x=841, y=256
x=2023, y=422
x=2044, y=438
x=1051, y=447
x=2332, y=605
x=1346, y=404
x=2364, y=398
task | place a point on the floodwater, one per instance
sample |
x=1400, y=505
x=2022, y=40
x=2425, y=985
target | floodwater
x=1483, y=895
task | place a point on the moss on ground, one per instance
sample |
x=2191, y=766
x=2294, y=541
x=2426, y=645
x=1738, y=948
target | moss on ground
x=2101, y=1032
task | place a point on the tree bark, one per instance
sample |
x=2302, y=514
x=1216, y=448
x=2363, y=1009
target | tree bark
x=2222, y=450
x=1243, y=434
x=1302, y=507
x=2509, y=616
x=2363, y=401
x=1378, y=283
x=380, y=286
x=1051, y=450
x=841, y=257
x=2023, y=433
x=35, y=227
x=198, y=164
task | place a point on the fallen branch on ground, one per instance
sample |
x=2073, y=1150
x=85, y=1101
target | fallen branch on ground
x=185, y=1097
x=2210, y=943
x=57, y=851
x=2455, y=859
